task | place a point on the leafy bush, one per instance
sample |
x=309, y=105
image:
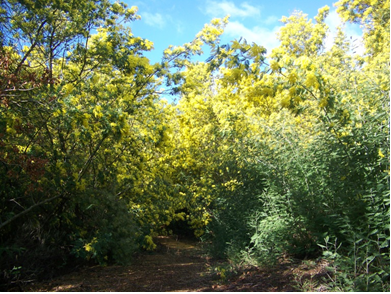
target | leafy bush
x=337, y=187
x=108, y=231
x=236, y=199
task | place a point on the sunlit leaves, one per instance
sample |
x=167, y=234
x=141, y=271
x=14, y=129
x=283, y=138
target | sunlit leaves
x=299, y=136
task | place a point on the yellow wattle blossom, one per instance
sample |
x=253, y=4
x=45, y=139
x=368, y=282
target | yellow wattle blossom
x=292, y=77
x=68, y=89
x=148, y=243
x=89, y=246
x=323, y=103
x=274, y=65
x=148, y=45
x=297, y=99
x=81, y=185
x=303, y=61
x=57, y=113
x=285, y=98
x=98, y=111
x=311, y=80
x=292, y=91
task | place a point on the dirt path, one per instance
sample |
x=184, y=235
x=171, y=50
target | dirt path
x=177, y=265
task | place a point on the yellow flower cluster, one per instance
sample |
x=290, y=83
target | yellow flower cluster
x=311, y=80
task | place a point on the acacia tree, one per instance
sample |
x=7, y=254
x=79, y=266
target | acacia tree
x=78, y=118
x=264, y=157
x=34, y=38
x=317, y=125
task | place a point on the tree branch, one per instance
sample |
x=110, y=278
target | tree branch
x=31, y=48
x=27, y=210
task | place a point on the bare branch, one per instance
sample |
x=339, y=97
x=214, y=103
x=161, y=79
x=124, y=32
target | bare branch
x=27, y=210
x=31, y=48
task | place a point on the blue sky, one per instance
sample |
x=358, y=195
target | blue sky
x=175, y=22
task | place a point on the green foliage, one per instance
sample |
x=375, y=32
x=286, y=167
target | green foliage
x=70, y=161
x=262, y=160
x=105, y=231
x=238, y=185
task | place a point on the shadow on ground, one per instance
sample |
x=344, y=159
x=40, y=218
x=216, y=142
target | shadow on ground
x=177, y=265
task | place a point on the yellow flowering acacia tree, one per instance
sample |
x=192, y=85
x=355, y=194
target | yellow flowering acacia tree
x=84, y=137
x=213, y=159
x=262, y=155
x=315, y=123
x=326, y=148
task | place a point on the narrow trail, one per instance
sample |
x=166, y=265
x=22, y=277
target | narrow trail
x=176, y=265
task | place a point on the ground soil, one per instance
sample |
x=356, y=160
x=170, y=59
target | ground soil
x=180, y=264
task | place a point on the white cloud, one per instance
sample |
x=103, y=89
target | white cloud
x=352, y=31
x=154, y=19
x=179, y=27
x=270, y=20
x=264, y=34
x=160, y=21
x=260, y=35
x=221, y=9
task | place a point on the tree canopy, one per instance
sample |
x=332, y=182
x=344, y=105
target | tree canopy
x=263, y=155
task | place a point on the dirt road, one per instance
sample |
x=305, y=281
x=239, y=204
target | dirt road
x=177, y=265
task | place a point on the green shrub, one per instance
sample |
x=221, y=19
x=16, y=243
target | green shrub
x=109, y=231
x=229, y=230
